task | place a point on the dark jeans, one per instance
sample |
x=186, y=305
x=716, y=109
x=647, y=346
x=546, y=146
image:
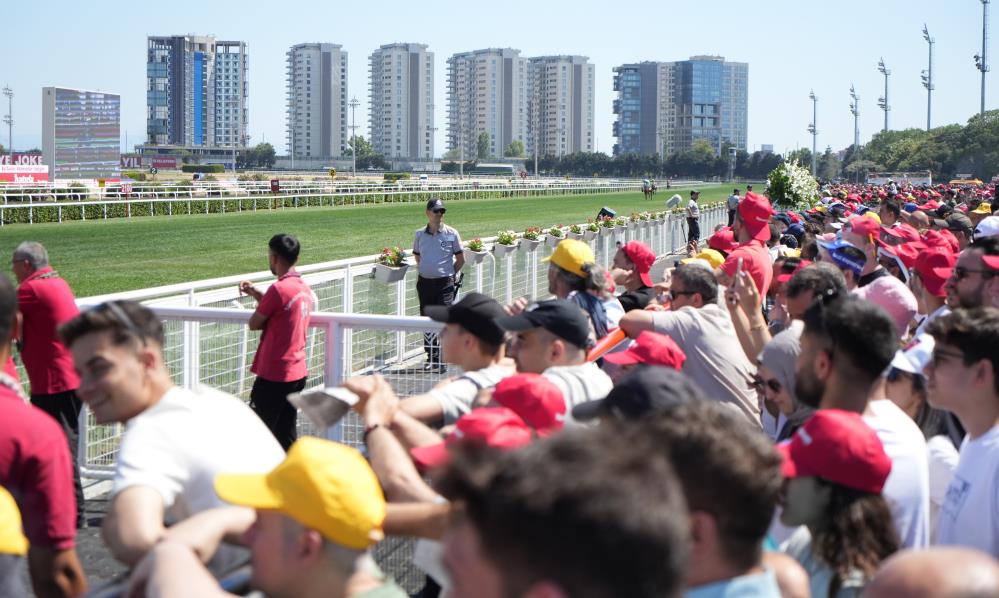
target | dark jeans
x=693, y=230
x=731, y=217
x=269, y=400
x=65, y=407
x=434, y=291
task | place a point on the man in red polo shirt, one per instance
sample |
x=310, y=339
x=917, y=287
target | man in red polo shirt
x=45, y=302
x=752, y=230
x=36, y=468
x=283, y=316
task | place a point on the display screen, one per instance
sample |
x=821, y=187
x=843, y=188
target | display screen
x=87, y=134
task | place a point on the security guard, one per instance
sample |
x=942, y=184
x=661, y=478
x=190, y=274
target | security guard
x=439, y=258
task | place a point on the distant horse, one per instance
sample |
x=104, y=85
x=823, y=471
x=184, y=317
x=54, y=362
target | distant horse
x=649, y=190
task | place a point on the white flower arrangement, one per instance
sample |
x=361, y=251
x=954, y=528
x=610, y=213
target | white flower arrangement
x=792, y=186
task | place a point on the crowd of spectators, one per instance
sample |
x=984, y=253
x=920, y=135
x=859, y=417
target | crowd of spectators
x=807, y=406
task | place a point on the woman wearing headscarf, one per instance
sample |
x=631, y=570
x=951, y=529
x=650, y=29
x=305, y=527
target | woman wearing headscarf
x=775, y=381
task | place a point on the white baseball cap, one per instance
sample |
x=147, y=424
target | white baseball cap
x=988, y=227
x=915, y=356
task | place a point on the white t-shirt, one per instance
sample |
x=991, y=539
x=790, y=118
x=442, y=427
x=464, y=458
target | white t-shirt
x=970, y=513
x=908, y=487
x=943, y=457
x=457, y=397
x=579, y=384
x=693, y=210
x=178, y=446
x=715, y=360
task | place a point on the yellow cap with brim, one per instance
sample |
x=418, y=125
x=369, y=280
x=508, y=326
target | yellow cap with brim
x=571, y=255
x=983, y=208
x=711, y=256
x=323, y=485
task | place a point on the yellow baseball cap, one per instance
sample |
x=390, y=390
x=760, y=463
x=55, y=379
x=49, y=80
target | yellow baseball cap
x=323, y=485
x=570, y=255
x=983, y=208
x=872, y=215
x=711, y=256
x=12, y=540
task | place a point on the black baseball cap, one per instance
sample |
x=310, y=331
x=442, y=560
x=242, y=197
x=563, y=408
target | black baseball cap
x=960, y=223
x=475, y=313
x=435, y=204
x=695, y=192
x=644, y=390
x=562, y=318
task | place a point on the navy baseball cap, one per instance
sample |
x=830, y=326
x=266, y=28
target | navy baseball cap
x=641, y=392
x=435, y=204
x=560, y=317
x=476, y=313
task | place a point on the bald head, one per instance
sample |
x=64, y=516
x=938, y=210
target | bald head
x=941, y=572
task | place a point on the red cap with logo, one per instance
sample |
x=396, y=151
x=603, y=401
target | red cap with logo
x=497, y=427
x=755, y=212
x=941, y=238
x=907, y=252
x=643, y=258
x=650, y=348
x=906, y=232
x=934, y=266
x=723, y=240
x=535, y=399
x=840, y=447
x=868, y=228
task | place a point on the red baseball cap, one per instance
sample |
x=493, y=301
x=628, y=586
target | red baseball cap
x=934, y=266
x=723, y=240
x=869, y=228
x=643, y=258
x=906, y=232
x=840, y=447
x=535, y=399
x=992, y=261
x=907, y=252
x=930, y=205
x=755, y=212
x=650, y=348
x=941, y=238
x=497, y=427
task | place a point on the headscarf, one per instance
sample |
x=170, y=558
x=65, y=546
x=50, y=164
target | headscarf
x=780, y=356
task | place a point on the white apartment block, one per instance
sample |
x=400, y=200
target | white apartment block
x=487, y=93
x=401, y=115
x=231, y=93
x=317, y=101
x=560, y=105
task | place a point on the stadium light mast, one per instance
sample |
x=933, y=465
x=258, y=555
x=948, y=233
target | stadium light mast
x=353, y=133
x=883, y=100
x=9, y=121
x=855, y=111
x=981, y=60
x=812, y=127
x=928, y=78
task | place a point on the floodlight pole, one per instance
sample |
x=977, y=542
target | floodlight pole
x=883, y=101
x=928, y=79
x=855, y=111
x=981, y=61
x=353, y=133
x=812, y=127
x=9, y=121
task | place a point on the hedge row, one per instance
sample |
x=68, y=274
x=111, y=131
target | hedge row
x=14, y=214
x=204, y=168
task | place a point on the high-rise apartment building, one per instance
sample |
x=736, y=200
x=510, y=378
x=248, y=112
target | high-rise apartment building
x=664, y=107
x=487, y=93
x=401, y=115
x=81, y=133
x=560, y=104
x=317, y=101
x=196, y=91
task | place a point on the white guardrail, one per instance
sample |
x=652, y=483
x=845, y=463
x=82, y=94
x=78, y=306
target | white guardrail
x=48, y=203
x=359, y=325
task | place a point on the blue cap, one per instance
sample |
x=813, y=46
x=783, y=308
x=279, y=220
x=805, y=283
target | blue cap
x=841, y=258
x=796, y=229
x=910, y=207
x=783, y=218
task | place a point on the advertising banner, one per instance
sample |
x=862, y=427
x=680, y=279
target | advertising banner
x=29, y=173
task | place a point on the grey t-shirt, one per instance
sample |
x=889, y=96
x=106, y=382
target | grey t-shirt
x=715, y=360
x=733, y=201
x=437, y=251
x=457, y=397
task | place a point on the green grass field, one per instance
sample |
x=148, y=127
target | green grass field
x=98, y=257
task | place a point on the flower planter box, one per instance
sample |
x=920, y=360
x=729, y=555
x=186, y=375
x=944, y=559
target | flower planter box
x=589, y=235
x=554, y=241
x=576, y=236
x=474, y=257
x=529, y=245
x=604, y=231
x=388, y=274
x=502, y=250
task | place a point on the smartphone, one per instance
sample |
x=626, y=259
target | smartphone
x=326, y=406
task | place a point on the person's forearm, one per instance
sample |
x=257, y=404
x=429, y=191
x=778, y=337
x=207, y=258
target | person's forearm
x=129, y=543
x=205, y=531
x=412, y=433
x=178, y=574
x=394, y=468
x=741, y=324
x=420, y=520
x=423, y=408
x=759, y=334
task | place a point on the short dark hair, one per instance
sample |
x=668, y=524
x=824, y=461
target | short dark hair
x=127, y=321
x=894, y=207
x=821, y=279
x=727, y=469
x=696, y=279
x=534, y=507
x=988, y=245
x=285, y=246
x=975, y=332
x=855, y=331
x=8, y=307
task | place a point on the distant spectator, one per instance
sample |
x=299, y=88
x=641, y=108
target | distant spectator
x=317, y=515
x=703, y=331
x=693, y=222
x=527, y=520
x=966, y=285
x=934, y=266
x=962, y=378
x=836, y=469
x=632, y=264
x=282, y=315
x=175, y=440
x=574, y=275
x=473, y=341
x=45, y=302
x=552, y=338
x=940, y=572
x=36, y=468
x=752, y=229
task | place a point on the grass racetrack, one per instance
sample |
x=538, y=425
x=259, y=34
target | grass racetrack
x=98, y=257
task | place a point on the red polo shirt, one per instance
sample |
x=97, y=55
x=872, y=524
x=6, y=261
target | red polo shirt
x=755, y=261
x=35, y=466
x=281, y=354
x=46, y=302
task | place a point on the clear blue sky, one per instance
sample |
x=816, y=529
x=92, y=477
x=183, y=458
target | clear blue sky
x=791, y=47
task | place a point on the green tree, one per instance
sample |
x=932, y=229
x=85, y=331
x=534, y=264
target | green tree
x=265, y=155
x=364, y=147
x=452, y=154
x=483, y=146
x=828, y=165
x=515, y=149
x=858, y=169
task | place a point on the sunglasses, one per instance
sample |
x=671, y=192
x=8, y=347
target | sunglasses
x=960, y=273
x=118, y=314
x=759, y=383
x=671, y=295
x=439, y=211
